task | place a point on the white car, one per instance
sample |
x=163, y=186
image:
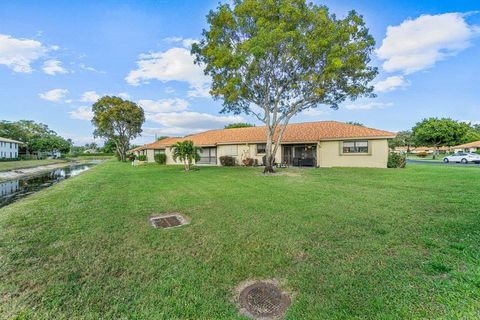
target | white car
x=463, y=157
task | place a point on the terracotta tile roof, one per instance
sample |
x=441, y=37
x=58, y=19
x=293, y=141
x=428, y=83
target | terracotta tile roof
x=422, y=148
x=294, y=133
x=475, y=144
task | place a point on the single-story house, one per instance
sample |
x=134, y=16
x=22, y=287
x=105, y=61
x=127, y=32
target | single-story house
x=415, y=150
x=468, y=147
x=9, y=148
x=317, y=144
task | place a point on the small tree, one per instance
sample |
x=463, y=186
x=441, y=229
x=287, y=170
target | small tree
x=402, y=139
x=186, y=152
x=239, y=125
x=119, y=121
x=354, y=123
x=276, y=58
x=439, y=132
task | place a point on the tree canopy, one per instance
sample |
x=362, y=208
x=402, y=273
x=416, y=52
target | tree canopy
x=354, y=123
x=239, y=125
x=402, y=139
x=275, y=58
x=437, y=132
x=35, y=136
x=119, y=121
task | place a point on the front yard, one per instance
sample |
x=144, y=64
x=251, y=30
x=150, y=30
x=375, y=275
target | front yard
x=346, y=243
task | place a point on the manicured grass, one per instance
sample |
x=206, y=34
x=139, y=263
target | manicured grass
x=22, y=164
x=347, y=243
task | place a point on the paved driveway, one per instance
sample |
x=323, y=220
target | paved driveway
x=442, y=163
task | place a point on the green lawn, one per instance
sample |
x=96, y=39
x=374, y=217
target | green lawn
x=22, y=164
x=347, y=243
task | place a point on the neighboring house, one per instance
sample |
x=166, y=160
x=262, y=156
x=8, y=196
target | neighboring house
x=468, y=147
x=9, y=148
x=90, y=151
x=319, y=144
x=428, y=150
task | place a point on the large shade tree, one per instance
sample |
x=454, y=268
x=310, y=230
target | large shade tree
x=275, y=58
x=118, y=121
x=36, y=137
x=437, y=132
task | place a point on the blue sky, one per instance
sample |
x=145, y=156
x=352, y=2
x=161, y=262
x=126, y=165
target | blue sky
x=56, y=57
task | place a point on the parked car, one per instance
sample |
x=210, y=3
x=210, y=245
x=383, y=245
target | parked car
x=463, y=157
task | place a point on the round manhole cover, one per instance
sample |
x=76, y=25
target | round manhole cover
x=264, y=300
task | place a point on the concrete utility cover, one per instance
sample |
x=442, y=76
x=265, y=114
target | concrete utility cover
x=168, y=221
x=263, y=300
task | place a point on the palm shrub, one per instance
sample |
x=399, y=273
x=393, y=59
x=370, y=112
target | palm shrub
x=161, y=158
x=186, y=152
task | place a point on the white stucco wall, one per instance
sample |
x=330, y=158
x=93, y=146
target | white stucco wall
x=8, y=150
x=329, y=154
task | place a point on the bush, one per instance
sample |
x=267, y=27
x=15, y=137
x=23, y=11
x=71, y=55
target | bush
x=8, y=159
x=161, y=158
x=248, y=162
x=142, y=157
x=396, y=160
x=227, y=161
x=422, y=154
x=478, y=151
x=98, y=154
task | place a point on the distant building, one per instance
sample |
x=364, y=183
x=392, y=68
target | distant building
x=415, y=150
x=468, y=147
x=9, y=148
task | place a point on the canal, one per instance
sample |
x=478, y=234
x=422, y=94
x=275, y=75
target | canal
x=13, y=190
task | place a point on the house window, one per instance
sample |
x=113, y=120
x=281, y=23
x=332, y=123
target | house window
x=159, y=151
x=261, y=148
x=231, y=150
x=355, y=147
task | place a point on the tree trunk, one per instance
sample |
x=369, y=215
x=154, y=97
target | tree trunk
x=435, y=150
x=187, y=167
x=269, y=157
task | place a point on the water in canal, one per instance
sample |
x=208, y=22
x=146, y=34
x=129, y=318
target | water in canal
x=13, y=190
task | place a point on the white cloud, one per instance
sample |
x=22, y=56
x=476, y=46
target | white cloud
x=79, y=140
x=169, y=90
x=164, y=105
x=368, y=106
x=19, y=54
x=192, y=120
x=82, y=113
x=91, y=69
x=391, y=83
x=185, y=42
x=124, y=95
x=315, y=112
x=471, y=122
x=53, y=67
x=175, y=64
x=417, y=44
x=55, y=95
x=90, y=96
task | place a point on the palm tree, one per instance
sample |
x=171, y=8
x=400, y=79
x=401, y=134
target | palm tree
x=186, y=152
